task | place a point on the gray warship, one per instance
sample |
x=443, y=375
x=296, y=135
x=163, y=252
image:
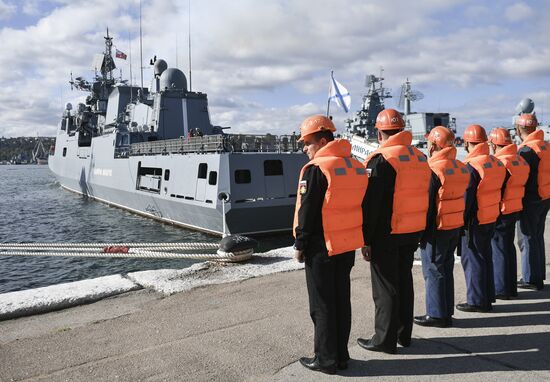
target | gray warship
x=154, y=151
x=360, y=130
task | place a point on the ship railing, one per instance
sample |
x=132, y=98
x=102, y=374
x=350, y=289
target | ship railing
x=218, y=143
x=262, y=143
x=122, y=152
x=209, y=143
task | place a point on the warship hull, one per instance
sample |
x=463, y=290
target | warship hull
x=184, y=188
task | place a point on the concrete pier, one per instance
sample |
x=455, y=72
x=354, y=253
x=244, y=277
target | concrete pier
x=255, y=330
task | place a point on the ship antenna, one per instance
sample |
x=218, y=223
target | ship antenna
x=131, y=79
x=107, y=71
x=189, y=23
x=140, y=47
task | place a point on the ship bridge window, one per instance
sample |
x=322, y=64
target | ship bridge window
x=273, y=167
x=203, y=169
x=242, y=176
x=213, y=178
x=166, y=174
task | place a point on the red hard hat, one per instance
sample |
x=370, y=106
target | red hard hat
x=475, y=134
x=314, y=124
x=389, y=119
x=441, y=136
x=500, y=136
x=527, y=120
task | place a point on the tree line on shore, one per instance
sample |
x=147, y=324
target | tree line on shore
x=21, y=148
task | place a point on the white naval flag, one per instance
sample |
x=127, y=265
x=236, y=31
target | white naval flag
x=339, y=94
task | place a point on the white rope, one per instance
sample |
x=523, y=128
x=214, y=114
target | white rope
x=219, y=256
x=165, y=246
x=123, y=250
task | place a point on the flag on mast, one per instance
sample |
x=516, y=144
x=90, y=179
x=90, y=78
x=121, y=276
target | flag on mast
x=339, y=94
x=120, y=54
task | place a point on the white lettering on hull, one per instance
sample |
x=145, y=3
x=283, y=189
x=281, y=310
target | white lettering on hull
x=103, y=172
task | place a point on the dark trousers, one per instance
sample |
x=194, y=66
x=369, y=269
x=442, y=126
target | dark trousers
x=504, y=255
x=328, y=286
x=531, y=227
x=392, y=291
x=476, y=258
x=437, y=267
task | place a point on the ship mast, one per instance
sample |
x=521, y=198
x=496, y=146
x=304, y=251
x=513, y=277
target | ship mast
x=106, y=70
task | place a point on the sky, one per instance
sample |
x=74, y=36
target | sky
x=266, y=65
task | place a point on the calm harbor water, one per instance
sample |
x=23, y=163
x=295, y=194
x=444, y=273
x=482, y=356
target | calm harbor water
x=34, y=208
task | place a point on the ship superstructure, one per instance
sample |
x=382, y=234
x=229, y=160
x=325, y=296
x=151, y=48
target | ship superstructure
x=155, y=152
x=361, y=131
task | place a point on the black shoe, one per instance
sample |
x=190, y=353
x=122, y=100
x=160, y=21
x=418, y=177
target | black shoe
x=342, y=365
x=367, y=344
x=502, y=297
x=403, y=343
x=524, y=285
x=473, y=308
x=432, y=321
x=313, y=364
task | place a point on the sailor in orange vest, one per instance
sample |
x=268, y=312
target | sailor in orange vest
x=445, y=218
x=396, y=207
x=502, y=243
x=481, y=212
x=328, y=228
x=535, y=202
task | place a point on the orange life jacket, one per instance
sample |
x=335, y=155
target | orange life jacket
x=536, y=142
x=492, y=173
x=454, y=177
x=341, y=212
x=518, y=169
x=412, y=182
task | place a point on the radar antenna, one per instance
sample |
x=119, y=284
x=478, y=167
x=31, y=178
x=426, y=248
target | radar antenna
x=526, y=105
x=407, y=96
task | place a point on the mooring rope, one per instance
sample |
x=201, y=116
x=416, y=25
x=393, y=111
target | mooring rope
x=165, y=246
x=233, y=256
x=124, y=250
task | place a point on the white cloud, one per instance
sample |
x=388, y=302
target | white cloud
x=31, y=7
x=266, y=120
x=7, y=10
x=265, y=65
x=518, y=12
x=477, y=12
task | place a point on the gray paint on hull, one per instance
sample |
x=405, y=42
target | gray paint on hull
x=113, y=181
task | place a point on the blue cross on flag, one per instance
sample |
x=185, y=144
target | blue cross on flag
x=339, y=94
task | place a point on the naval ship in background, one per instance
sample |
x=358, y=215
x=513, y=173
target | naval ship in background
x=527, y=105
x=155, y=152
x=360, y=130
